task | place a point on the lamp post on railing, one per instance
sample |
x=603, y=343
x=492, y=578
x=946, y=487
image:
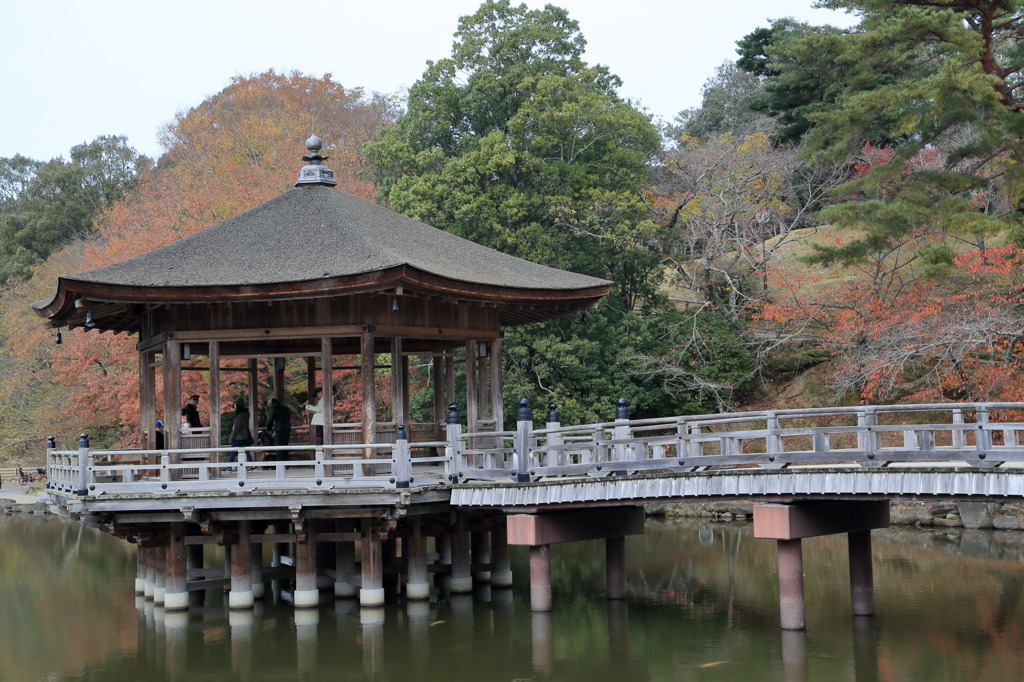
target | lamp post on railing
x=524, y=424
x=403, y=463
x=51, y=448
x=83, y=464
x=554, y=420
x=621, y=430
x=453, y=429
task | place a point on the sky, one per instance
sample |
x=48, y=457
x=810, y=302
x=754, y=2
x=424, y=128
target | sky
x=73, y=70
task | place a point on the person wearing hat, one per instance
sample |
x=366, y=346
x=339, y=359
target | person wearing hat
x=158, y=439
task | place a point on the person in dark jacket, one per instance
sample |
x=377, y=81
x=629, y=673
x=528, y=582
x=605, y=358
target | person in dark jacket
x=241, y=436
x=191, y=412
x=279, y=425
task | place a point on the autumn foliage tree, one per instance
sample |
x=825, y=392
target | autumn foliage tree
x=240, y=147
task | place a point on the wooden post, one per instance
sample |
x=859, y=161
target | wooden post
x=480, y=542
x=140, y=571
x=367, y=362
x=254, y=397
x=615, y=566
x=417, y=585
x=440, y=400
x=472, y=408
x=461, y=575
x=501, y=566
x=176, y=593
x=862, y=587
x=194, y=563
x=160, y=573
x=497, y=404
x=306, y=594
x=540, y=578
x=791, y=584
x=256, y=566
x=372, y=591
x=147, y=402
x=215, y=396
x=399, y=392
x=345, y=568
x=241, y=596
x=326, y=366
x=279, y=364
x=149, y=582
x=172, y=394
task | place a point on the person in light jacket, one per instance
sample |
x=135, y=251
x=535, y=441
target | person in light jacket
x=241, y=436
x=317, y=422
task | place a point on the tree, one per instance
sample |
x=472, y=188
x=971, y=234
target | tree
x=235, y=150
x=516, y=143
x=729, y=104
x=46, y=205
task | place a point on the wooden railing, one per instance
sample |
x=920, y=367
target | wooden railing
x=974, y=434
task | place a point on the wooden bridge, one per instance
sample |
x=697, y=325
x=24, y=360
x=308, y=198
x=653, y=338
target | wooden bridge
x=811, y=472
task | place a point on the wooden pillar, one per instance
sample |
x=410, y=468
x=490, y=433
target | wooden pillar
x=461, y=573
x=615, y=566
x=215, y=407
x=472, y=409
x=279, y=364
x=417, y=583
x=345, y=568
x=372, y=591
x=254, y=397
x=140, y=571
x=172, y=394
x=862, y=586
x=310, y=381
x=149, y=559
x=398, y=391
x=147, y=401
x=306, y=594
x=194, y=563
x=160, y=574
x=501, y=566
x=497, y=403
x=480, y=552
x=540, y=578
x=176, y=593
x=367, y=362
x=440, y=403
x=256, y=566
x=326, y=367
x=791, y=584
x=241, y=596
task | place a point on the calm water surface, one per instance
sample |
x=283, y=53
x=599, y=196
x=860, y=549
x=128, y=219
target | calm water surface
x=702, y=605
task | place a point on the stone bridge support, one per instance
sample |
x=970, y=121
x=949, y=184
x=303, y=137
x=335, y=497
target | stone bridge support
x=540, y=531
x=788, y=524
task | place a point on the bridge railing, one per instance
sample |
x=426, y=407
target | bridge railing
x=975, y=434
x=89, y=471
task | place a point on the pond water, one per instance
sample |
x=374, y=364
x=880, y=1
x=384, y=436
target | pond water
x=702, y=604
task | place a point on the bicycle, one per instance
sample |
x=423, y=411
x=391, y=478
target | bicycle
x=25, y=477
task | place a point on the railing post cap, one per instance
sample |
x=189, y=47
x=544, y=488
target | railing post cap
x=453, y=414
x=83, y=440
x=51, y=442
x=400, y=435
x=524, y=413
x=553, y=415
x=622, y=409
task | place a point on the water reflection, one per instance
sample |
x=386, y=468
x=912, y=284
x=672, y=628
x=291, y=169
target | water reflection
x=700, y=601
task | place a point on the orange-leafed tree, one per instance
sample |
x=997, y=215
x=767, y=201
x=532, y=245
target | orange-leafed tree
x=237, y=149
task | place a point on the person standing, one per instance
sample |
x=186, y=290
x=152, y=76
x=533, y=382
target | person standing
x=191, y=412
x=241, y=436
x=158, y=434
x=279, y=425
x=317, y=422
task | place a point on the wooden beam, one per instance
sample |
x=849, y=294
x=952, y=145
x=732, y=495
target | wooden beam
x=572, y=526
x=811, y=519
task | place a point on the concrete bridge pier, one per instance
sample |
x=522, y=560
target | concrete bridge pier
x=540, y=531
x=501, y=565
x=788, y=524
x=461, y=581
x=371, y=592
x=480, y=544
x=345, y=567
x=160, y=575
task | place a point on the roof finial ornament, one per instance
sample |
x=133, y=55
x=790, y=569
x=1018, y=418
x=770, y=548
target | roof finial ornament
x=314, y=172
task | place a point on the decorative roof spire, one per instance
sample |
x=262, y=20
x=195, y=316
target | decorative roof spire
x=313, y=173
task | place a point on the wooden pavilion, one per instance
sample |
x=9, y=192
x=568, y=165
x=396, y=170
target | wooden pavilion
x=317, y=273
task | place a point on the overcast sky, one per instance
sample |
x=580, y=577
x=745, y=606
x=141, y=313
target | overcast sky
x=76, y=69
